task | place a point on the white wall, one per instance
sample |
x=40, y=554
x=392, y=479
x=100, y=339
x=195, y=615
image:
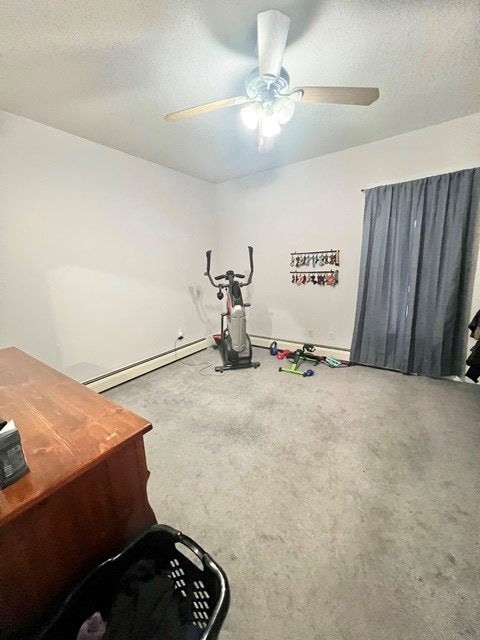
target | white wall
x=99, y=251
x=102, y=254
x=318, y=204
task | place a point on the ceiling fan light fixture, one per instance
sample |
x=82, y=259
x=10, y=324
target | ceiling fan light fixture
x=269, y=123
x=284, y=108
x=251, y=115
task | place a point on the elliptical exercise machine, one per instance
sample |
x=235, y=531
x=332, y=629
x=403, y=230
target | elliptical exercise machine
x=233, y=342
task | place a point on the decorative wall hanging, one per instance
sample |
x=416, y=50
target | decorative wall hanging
x=315, y=259
x=322, y=278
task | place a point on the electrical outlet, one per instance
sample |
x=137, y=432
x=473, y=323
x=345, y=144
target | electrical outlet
x=309, y=333
x=332, y=336
x=180, y=335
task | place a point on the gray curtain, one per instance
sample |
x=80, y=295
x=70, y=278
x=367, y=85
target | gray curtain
x=413, y=289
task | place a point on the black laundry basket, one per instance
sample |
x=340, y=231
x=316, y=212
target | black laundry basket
x=206, y=591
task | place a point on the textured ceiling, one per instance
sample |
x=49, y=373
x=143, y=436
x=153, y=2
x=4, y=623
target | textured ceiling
x=109, y=70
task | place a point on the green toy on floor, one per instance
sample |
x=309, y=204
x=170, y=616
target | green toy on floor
x=306, y=354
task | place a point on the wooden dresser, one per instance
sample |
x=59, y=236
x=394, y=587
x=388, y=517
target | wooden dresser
x=85, y=496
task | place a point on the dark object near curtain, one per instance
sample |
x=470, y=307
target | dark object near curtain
x=413, y=289
x=473, y=360
x=474, y=324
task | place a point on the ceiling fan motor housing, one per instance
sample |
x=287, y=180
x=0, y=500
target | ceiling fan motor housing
x=257, y=86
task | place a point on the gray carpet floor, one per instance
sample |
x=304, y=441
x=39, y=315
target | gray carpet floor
x=342, y=507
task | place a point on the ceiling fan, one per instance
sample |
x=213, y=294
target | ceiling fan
x=269, y=102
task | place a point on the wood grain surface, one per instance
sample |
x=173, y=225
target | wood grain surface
x=65, y=427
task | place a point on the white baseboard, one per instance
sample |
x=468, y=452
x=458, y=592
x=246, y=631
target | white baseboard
x=115, y=378
x=340, y=354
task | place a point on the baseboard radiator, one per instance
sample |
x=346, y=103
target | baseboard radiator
x=137, y=369
x=114, y=378
x=321, y=350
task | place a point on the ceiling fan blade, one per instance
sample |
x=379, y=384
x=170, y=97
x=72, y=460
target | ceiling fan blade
x=265, y=143
x=272, y=28
x=205, y=108
x=336, y=95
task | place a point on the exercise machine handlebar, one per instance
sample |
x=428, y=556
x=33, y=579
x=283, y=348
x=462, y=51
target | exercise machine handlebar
x=228, y=275
x=250, y=255
x=207, y=272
